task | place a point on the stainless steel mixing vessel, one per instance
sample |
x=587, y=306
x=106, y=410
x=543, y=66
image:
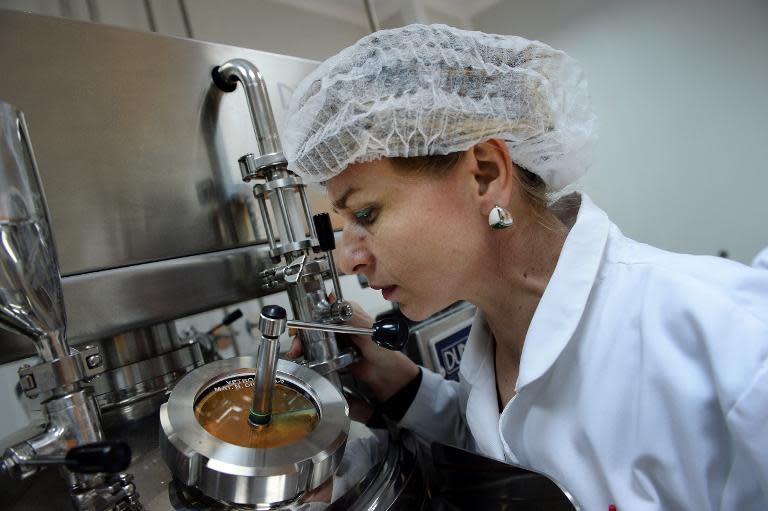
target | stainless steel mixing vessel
x=246, y=475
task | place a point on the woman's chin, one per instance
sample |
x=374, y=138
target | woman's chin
x=415, y=313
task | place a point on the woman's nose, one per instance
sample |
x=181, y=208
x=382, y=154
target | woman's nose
x=352, y=255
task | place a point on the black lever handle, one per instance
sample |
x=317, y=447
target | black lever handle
x=228, y=320
x=98, y=457
x=324, y=230
x=232, y=317
x=391, y=333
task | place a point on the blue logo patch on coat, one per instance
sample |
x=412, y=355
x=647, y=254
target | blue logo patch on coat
x=450, y=350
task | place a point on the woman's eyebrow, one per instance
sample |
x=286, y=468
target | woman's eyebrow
x=341, y=202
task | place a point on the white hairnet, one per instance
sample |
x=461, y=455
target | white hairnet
x=432, y=89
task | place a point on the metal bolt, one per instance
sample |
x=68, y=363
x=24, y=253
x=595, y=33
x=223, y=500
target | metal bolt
x=27, y=382
x=93, y=361
x=345, y=311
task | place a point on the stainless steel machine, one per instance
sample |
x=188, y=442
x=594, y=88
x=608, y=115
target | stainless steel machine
x=138, y=149
x=142, y=143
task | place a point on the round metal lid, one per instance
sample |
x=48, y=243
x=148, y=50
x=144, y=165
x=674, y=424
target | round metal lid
x=222, y=469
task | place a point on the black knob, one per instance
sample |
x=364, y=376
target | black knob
x=99, y=457
x=228, y=320
x=391, y=333
x=232, y=317
x=273, y=312
x=324, y=230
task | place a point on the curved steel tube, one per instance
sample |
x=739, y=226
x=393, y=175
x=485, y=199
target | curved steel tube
x=255, y=89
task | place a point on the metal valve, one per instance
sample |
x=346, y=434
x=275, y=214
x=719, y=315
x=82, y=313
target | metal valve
x=389, y=333
x=106, y=457
x=340, y=309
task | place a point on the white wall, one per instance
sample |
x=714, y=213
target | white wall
x=264, y=25
x=680, y=89
x=270, y=26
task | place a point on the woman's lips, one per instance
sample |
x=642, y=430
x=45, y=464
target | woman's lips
x=386, y=292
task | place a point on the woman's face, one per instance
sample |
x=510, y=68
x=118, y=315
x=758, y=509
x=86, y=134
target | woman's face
x=408, y=234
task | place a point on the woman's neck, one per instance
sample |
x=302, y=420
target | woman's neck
x=508, y=290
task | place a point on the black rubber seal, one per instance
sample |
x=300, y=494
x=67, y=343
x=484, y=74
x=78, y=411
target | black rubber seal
x=220, y=82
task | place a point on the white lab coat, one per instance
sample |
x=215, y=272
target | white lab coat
x=643, y=380
x=761, y=260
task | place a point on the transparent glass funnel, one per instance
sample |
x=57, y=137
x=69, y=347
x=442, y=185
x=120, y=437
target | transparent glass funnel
x=31, y=299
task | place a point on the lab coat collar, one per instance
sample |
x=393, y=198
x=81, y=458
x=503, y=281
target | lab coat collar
x=477, y=370
x=559, y=310
x=565, y=298
x=478, y=351
x=553, y=324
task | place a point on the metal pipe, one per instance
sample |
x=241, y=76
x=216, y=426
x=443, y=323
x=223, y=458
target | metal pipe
x=335, y=277
x=307, y=211
x=264, y=382
x=185, y=19
x=285, y=216
x=339, y=329
x=271, y=325
x=257, y=97
x=265, y=221
x=150, y=16
x=72, y=420
x=391, y=333
x=370, y=11
x=93, y=11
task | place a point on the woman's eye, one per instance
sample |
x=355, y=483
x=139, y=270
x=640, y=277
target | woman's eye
x=365, y=216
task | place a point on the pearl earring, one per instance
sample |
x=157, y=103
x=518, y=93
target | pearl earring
x=499, y=218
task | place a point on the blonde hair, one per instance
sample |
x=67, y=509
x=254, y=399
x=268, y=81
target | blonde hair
x=533, y=187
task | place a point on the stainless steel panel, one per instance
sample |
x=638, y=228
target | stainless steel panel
x=137, y=148
x=137, y=151
x=106, y=303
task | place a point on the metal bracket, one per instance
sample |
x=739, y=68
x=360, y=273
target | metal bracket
x=273, y=277
x=293, y=271
x=252, y=166
x=340, y=361
x=79, y=365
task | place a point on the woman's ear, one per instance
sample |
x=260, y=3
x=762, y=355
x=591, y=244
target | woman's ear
x=492, y=172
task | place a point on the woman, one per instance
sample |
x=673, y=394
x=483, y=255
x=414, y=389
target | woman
x=633, y=376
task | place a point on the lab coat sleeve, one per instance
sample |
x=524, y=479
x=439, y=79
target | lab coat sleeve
x=735, y=330
x=437, y=412
x=747, y=418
